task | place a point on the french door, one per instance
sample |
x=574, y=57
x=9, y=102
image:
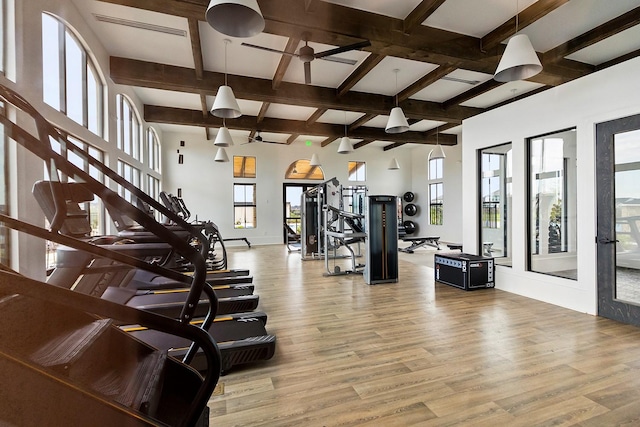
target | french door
x=618, y=224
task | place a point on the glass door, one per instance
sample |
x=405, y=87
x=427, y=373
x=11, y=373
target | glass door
x=618, y=230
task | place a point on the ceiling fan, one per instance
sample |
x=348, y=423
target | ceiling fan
x=258, y=138
x=307, y=54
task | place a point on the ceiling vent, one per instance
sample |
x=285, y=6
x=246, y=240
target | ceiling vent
x=140, y=25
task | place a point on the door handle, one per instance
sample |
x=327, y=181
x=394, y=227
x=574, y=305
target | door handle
x=608, y=241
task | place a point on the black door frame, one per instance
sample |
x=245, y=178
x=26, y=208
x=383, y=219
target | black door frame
x=305, y=186
x=608, y=305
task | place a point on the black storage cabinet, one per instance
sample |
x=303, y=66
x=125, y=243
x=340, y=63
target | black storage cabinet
x=382, y=240
x=464, y=271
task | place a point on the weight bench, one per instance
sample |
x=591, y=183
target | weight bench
x=454, y=246
x=418, y=242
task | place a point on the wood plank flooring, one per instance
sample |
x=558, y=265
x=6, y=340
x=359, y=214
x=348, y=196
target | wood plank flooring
x=424, y=354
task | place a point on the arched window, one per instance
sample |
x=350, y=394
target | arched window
x=301, y=169
x=153, y=150
x=71, y=83
x=129, y=127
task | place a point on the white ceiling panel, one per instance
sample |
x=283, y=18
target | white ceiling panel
x=290, y=112
x=608, y=49
x=425, y=125
x=382, y=79
x=502, y=93
x=247, y=108
x=454, y=84
x=573, y=19
x=338, y=117
x=167, y=98
x=394, y=8
x=241, y=60
x=378, y=122
x=474, y=18
x=152, y=41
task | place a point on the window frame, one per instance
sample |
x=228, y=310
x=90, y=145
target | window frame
x=153, y=150
x=360, y=168
x=129, y=134
x=435, y=180
x=243, y=173
x=64, y=35
x=243, y=205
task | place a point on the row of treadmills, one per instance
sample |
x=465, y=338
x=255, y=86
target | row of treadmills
x=239, y=331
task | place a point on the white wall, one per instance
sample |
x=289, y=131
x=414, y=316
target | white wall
x=606, y=95
x=207, y=186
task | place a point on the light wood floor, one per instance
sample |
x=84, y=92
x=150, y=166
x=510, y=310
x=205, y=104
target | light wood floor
x=419, y=353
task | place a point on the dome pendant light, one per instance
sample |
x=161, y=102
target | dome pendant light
x=519, y=60
x=345, y=144
x=225, y=104
x=235, y=18
x=397, y=122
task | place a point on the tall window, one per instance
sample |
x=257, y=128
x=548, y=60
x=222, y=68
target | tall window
x=495, y=202
x=244, y=205
x=132, y=175
x=436, y=192
x=357, y=171
x=72, y=84
x=552, y=204
x=3, y=34
x=128, y=127
x=153, y=150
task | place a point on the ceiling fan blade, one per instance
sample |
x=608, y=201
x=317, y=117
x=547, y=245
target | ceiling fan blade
x=340, y=60
x=268, y=49
x=307, y=73
x=346, y=48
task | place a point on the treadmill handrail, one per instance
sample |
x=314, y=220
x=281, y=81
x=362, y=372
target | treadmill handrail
x=41, y=146
x=15, y=283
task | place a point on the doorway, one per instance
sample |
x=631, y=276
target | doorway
x=291, y=211
x=618, y=224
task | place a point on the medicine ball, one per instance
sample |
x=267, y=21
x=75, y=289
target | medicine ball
x=409, y=227
x=410, y=209
x=408, y=196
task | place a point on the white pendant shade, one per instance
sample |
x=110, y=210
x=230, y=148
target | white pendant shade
x=397, y=122
x=235, y=18
x=221, y=155
x=225, y=105
x=393, y=165
x=345, y=145
x=519, y=61
x=437, y=153
x=315, y=161
x=223, y=138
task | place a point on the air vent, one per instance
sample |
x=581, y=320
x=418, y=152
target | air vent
x=454, y=79
x=140, y=25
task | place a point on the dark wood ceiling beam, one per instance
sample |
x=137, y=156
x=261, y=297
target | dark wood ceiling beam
x=327, y=141
x=263, y=111
x=285, y=60
x=425, y=81
x=472, y=93
x=168, y=115
x=608, y=29
x=361, y=121
x=536, y=11
x=420, y=14
x=392, y=146
x=196, y=47
x=315, y=116
x=430, y=134
x=292, y=138
x=363, y=69
x=168, y=77
x=362, y=143
x=427, y=44
x=310, y=5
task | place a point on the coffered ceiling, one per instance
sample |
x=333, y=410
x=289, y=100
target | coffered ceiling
x=445, y=50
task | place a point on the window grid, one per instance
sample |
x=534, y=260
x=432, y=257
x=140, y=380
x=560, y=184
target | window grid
x=72, y=86
x=153, y=150
x=436, y=191
x=3, y=35
x=129, y=128
x=132, y=175
x=357, y=171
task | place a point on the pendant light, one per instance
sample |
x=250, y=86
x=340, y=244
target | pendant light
x=221, y=155
x=315, y=161
x=397, y=122
x=437, y=152
x=225, y=104
x=394, y=165
x=223, y=138
x=345, y=144
x=235, y=18
x=519, y=60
